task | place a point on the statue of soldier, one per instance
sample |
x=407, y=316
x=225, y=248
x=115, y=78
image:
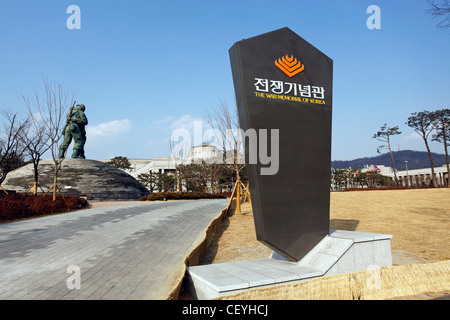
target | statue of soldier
x=75, y=128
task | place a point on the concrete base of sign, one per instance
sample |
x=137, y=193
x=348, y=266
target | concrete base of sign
x=339, y=252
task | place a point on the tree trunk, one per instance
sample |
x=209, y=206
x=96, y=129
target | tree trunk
x=54, y=182
x=393, y=162
x=36, y=175
x=433, y=176
x=177, y=172
x=238, y=193
x=446, y=157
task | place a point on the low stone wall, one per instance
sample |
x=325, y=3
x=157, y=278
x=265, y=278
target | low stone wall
x=195, y=256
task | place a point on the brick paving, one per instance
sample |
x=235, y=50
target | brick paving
x=131, y=251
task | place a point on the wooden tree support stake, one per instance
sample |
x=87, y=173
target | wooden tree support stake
x=3, y=189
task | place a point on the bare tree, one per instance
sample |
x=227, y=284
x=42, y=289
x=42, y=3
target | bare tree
x=178, y=153
x=212, y=168
x=52, y=107
x=36, y=140
x=11, y=143
x=225, y=123
x=440, y=9
x=384, y=135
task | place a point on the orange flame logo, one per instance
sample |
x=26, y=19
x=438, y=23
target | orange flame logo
x=290, y=65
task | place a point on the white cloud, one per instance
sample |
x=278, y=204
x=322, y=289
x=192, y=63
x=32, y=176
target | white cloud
x=409, y=141
x=184, y=122
x=108, y=129
x=108, y=139
x=162, y=122
x=414, y=141
x=412, y=138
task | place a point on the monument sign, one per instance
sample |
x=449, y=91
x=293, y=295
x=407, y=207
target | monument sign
x=283, y=82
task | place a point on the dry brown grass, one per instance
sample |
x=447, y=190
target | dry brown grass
x=418, y=220
x=235, y=240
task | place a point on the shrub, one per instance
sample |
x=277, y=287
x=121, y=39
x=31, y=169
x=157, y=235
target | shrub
x=18, y=206
x=182, y=196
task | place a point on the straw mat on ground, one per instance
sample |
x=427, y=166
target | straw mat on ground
x=371, y=284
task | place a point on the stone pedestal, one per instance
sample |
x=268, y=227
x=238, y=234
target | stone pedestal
x=339, y=252
x=92, y=179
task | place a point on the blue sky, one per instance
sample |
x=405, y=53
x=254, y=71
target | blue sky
x=145, y=68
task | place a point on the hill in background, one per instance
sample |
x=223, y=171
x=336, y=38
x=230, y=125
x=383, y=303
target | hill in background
x=416, y=160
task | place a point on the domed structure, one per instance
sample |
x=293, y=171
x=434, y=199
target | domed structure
x=206, y=152
x=92, y=179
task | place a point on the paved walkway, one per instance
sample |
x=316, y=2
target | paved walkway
x=132, y=251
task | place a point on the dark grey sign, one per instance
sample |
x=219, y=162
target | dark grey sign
x=284, y=83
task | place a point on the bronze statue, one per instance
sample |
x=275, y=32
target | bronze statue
x=75, y=128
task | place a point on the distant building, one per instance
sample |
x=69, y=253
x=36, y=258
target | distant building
x=417, y=177
x=167, y=165
x=209, y=154
x=386, y=171
x=411, y=178
x=161, y=165
x=205, y=152
x=422, y=177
